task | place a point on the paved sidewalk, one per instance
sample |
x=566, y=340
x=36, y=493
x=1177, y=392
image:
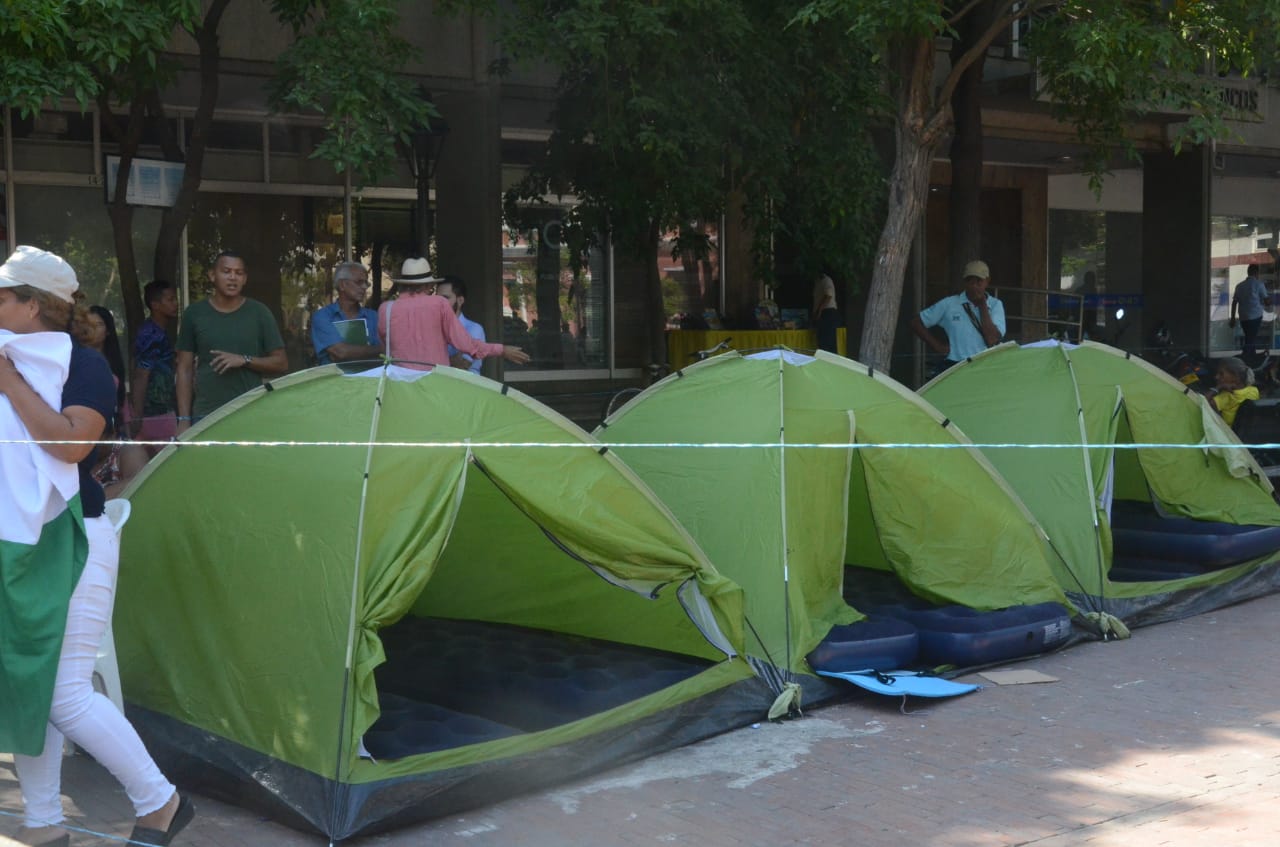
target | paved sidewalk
x=1170, y=738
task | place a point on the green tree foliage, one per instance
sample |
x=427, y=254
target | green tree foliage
x=1102, y=63
x=342, y=62
x=666, y=111
x=59, y=48
x=345, y=62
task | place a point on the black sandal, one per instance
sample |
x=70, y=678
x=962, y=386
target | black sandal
x=161, y=837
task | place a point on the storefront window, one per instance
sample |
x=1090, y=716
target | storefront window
x=1095, y=281
x=290, y=245
x=689, y=267
x=1235, y=243
x=557, y=313
x=53, y=141
x=383, y=239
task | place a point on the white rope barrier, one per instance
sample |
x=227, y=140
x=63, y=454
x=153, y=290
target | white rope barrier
x=717, y=445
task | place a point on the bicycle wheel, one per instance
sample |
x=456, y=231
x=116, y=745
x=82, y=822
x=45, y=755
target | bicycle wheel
x=617, y=401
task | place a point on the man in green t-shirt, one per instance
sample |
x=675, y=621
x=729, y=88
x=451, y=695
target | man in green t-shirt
x=226, y=344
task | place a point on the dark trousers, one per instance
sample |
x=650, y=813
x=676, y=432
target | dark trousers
x=1250, y=329
x=828, y=323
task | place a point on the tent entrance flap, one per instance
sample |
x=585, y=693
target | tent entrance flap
x=529, y=575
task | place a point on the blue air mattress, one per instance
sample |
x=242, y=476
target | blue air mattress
x=407, y=727
x=958, y=635
x=1139, y=532
x=1134, y=569
x=879, y=645
x=508, y=678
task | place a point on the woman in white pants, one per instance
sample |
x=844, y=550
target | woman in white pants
x=38, y=293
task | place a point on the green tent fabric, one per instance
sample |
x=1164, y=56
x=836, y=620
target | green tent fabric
x=1079, y=406
x=271, y=549
x=785, y=467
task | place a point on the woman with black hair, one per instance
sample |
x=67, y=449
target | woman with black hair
x=100, y=334
x=117, y=463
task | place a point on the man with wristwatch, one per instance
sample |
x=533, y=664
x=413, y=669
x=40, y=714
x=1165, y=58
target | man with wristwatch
x=226, y=344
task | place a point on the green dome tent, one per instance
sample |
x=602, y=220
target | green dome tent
x=335, y=548
x=1080, y=406
x=785, y=467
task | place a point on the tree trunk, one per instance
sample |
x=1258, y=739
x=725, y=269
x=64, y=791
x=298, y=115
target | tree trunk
x=175, y=218
x=121, y=216
x=917, y=134
x=965, y=208
x=128, y=137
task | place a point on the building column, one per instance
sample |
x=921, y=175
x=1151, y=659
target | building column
x=1175, y=245
x=468, y=181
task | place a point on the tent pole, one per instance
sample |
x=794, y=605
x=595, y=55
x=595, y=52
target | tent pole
x=782, y=484
x=1089, y=484
x=355, y=575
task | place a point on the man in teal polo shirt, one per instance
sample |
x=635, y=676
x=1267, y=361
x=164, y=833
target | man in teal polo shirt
x=227, y=343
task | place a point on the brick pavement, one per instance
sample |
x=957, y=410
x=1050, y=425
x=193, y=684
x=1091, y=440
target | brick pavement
x=1171, y=738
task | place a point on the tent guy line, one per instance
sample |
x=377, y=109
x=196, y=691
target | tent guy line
x=727, y=445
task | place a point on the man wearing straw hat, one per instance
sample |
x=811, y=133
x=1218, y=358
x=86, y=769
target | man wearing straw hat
x=418, y=326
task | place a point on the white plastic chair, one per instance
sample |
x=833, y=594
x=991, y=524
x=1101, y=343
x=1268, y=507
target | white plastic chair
x=106, y=672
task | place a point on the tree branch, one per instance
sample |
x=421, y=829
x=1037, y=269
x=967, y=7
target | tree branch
x=964, y=10
x=174, y=219
x=1004, y=18
x=108, y=118
x=168, y=141
x=128, y=149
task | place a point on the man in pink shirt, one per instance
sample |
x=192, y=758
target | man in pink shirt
x=418, y=326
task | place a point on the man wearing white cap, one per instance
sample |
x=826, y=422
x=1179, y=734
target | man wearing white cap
x=418, y=326
x=973, y=319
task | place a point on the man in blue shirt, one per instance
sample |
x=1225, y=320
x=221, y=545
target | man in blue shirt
x=454, y=290
x=1252, y=300
x=973, y=320
x=333, y=334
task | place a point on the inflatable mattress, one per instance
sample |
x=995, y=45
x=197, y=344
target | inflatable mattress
x=959, y=635
x=466, y=681
x=879, y=645
x=1139, y=532
x=1135, y=569
x=407, y=727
